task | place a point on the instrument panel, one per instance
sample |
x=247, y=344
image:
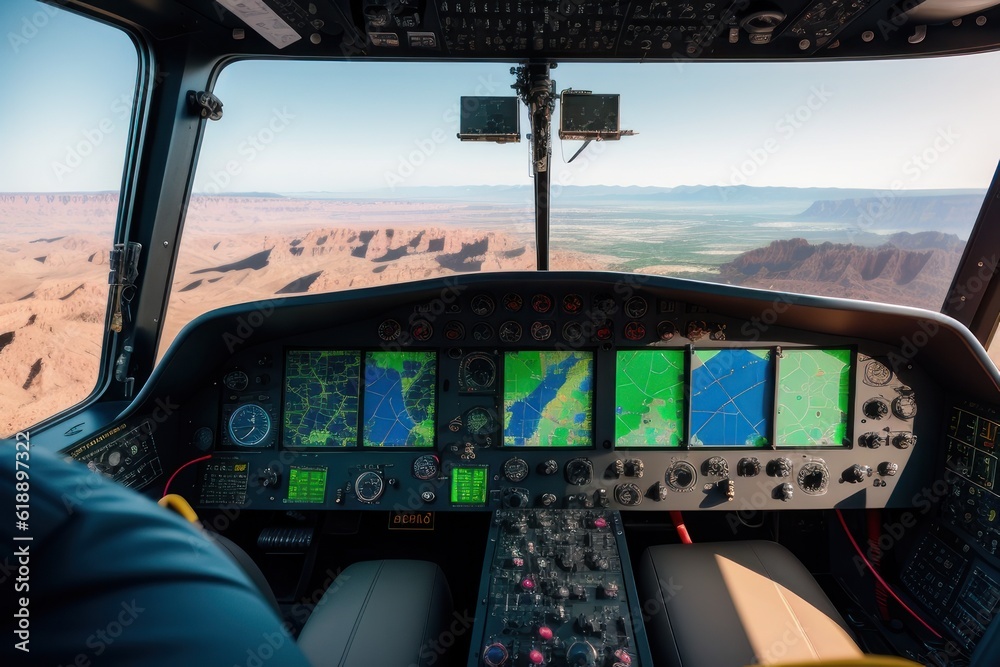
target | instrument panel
x=553, y=394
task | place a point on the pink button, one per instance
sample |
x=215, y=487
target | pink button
x=600, y=522
x=527, y=584
x=545, y=632
x=536, y=657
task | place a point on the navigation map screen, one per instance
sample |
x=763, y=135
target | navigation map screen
x=399, y=399
x=732, y=398
x=814, y=398
x=649, y=398
x=548, y=398
x=321, y=398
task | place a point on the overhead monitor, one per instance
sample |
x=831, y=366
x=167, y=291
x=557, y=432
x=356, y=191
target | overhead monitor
x=583, y=115
x=548, y=398
x=494, y=119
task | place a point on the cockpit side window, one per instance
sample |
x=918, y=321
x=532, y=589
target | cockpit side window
x=69, y=84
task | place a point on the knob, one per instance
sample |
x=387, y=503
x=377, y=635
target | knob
x=581, y=653
x=716, y=466
x=548, y=499
x=814, y=478
x=728, y=487
x=515, y=498
x=779, y=467
x=428, y=496
x=628, y=494
x=549, y=467
x=870, y=440
x=748, y=467
x=659, y=491
x=601, y=498
x=634, y=467
x=608, y=590
x=618, y=468
x=536, y=657
x=904, y=440
x=579, y=472
x=875, y=408
x=785, y=491
x=596, y=561
x=495, y=655
x=269, y=477
x=888, y=469
x=856, y=473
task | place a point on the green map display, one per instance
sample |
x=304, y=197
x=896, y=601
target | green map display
x=649, y=398
x=321, y=398
x=814, y=393
x=399, y=399
x=547, y=398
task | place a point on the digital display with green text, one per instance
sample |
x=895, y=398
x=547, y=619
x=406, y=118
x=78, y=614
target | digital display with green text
x=306, y=485
x=469, y=485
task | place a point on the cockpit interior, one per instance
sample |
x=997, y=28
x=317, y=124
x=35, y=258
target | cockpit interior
x=516, y=410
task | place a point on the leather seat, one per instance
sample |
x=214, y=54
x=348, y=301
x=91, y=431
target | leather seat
x=383, y=612
x=731, y=604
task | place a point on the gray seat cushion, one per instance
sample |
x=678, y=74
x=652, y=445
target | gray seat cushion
x=389, y=613
x=731, y=604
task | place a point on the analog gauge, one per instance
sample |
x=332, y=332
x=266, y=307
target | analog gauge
x=482, y=331
x=369, y=486
x=681, y=476
x=478, y=372
x=454, y=330
x=236, y=380
x=877, y=374
x=635, y=331
x=510, y=332
x=572, y=332
x=482, y=305
x=814, y=478
x=421, y=330
x=875, y=408
x=425, y=467
x=249, y=425
x=480, y=421
x=696, y=329
x=541, y=330
x=389, y=330
x=904, y=406
x=666, y=330
x=515, y=470
x=512, y=302
x=604, y=331
x=604, y=303
x=572, y=304
x=541, y=303
x=636, y=307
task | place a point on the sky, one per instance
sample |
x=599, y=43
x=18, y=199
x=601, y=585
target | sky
x=360, y=127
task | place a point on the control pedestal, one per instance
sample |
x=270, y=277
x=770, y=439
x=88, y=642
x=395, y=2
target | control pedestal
x=557, y=589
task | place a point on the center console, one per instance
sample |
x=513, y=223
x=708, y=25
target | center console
x=557, y=589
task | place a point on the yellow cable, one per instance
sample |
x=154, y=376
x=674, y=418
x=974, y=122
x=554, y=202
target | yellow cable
x=180, y=505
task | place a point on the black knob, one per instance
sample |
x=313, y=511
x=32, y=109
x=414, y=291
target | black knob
x=634, y=467
x=875, y=408
x=748, y=467
x=628, y=494
x=549, y=467
x=579, y=472
x=871, y=440
x=785, y=491
x=548, y=499
x=715, y=466
x=515, y=498
x=779, y=467
x=428, y=496
x=659, y=491
x=856, y=473
x=904, y=440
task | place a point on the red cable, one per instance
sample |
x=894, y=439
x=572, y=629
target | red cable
x=882, y=581
x=682, y=531
x=166, y=487
x=874, y=533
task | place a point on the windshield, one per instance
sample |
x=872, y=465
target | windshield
x=844, y=179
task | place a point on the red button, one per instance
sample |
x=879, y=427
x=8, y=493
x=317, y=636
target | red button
x=600, y=522
x=527, y=584
x=536, y=657
x=545, y=632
